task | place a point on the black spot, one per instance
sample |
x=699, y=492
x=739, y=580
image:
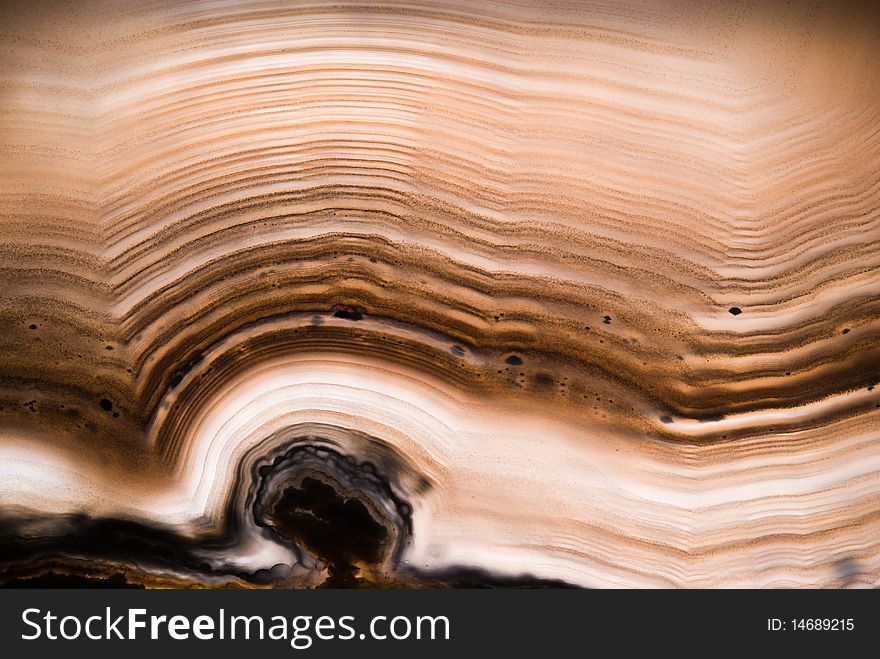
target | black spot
x=606, y=320
x=108, y=347
x=458, y=351
x=846, y=330
x=513, y=360
x=106, y=404
x=665, y=419
x=349, y=313
x=33, y=327
x=736, y=311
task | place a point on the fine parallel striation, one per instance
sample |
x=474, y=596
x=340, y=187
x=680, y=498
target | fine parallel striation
x=440, y=294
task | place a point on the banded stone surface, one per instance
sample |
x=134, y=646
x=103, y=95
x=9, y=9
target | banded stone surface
x=440, y=294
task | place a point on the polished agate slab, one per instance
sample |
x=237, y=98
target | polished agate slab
x=439, y=294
